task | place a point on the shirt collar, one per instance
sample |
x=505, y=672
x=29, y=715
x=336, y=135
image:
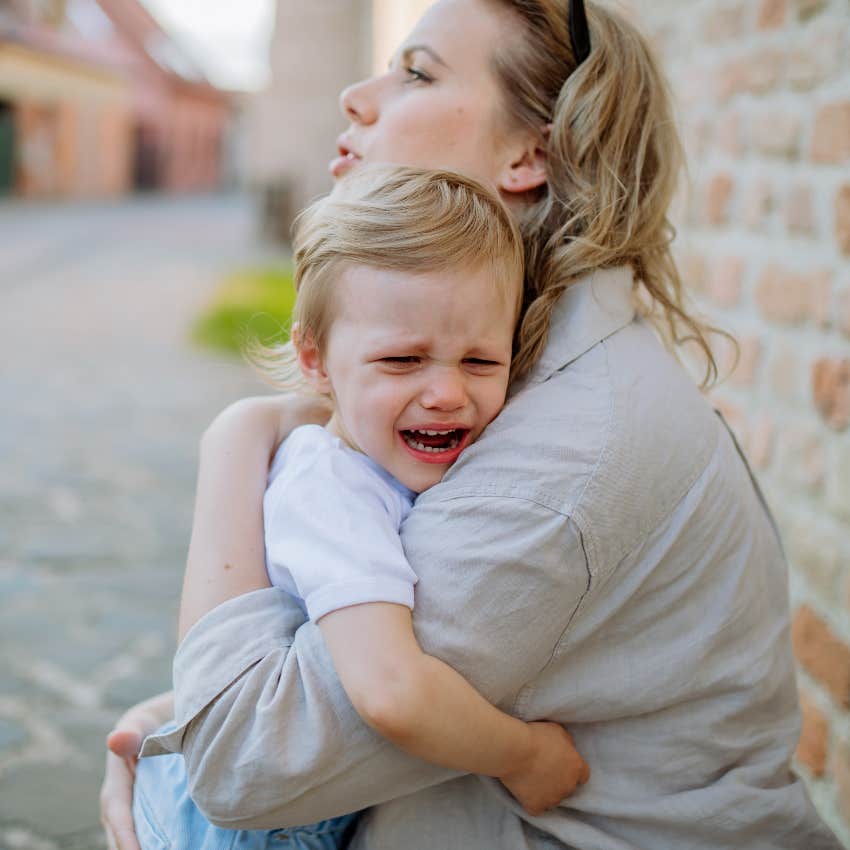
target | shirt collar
x=590, y=310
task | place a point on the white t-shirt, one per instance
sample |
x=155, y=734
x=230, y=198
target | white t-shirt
x=332, y=517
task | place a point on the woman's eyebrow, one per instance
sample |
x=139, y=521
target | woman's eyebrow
x=408, y=52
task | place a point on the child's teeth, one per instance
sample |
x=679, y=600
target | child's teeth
x=410, y=439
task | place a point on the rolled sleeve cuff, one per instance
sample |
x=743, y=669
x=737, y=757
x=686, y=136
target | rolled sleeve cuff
x=218, y=649
x=345, y=594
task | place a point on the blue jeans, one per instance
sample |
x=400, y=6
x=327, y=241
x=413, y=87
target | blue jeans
x=167, y=819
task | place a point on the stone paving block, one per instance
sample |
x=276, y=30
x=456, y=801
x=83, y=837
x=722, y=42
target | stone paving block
x=23, y=838
x=106, y=407
x=55, y=799
x=12, y=735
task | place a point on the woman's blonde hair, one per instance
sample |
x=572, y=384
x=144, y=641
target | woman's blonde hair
x=395, y=218
x=613, y=162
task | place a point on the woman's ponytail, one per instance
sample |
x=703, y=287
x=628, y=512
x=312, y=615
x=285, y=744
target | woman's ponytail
x=614, y=160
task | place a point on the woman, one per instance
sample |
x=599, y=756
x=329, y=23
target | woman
x=599, y=558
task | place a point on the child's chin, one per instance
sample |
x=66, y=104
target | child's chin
x=420, y=479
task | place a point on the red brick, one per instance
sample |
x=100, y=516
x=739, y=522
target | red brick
x=771, y=14
x=842, y=219
x=777, y=133
x=718, y=197
x=831, y=135
x=800, y=454
x=814, y=738
x=726, y=281
x=799, y=211
x=792, y=297
x=831, y=390
x=822, y=654
x=761, y=442
x=758, y=203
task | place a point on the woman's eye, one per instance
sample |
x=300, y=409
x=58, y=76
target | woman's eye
x=414, y=75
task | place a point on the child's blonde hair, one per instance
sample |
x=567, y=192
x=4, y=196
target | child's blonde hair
x=613, y=163
x=394, y=218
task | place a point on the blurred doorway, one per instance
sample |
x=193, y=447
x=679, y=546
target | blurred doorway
x=7, y=148
x=146, y=170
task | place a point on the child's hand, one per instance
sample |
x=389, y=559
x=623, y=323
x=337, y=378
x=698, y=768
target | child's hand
x=552, y=771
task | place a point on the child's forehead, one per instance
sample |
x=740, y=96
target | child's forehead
x=484, y=279
x=424, y=311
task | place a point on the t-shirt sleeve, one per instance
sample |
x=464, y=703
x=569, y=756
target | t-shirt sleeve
x=333, y=524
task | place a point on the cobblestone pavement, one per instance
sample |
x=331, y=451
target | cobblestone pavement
x=103, y=401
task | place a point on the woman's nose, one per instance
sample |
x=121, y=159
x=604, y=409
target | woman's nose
x=445, y=391
x=359, y=103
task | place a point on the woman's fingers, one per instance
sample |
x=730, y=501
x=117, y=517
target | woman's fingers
x=116, y=805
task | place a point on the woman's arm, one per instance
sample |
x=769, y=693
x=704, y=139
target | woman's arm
x=226, y=556
x=255, y=685
x=423, y=706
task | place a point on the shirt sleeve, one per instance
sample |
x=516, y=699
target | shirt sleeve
x=333, y=524
x=269, y=737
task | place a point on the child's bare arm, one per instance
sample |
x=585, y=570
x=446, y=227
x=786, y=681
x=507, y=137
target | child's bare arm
x=226, y=555
x=429, y=710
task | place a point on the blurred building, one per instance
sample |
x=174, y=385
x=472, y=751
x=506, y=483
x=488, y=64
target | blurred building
x=96, y=99
x=317, y=49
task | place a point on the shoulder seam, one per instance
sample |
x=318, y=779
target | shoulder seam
x=534, y=499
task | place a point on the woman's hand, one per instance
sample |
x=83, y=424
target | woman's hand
x=554, y=770
x=226, y=553
x=124, y=742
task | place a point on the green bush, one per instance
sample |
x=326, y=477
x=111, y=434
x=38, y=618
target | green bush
x=250, y=303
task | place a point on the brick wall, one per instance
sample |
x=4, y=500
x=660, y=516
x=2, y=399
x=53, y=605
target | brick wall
x=763, y=88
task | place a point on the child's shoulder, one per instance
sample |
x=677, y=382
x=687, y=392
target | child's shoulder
x=312, y=459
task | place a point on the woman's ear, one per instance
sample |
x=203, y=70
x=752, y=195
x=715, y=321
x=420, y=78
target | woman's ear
x=525, y=167
x=310, y=361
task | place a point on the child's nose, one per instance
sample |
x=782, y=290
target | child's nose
x=446, y=390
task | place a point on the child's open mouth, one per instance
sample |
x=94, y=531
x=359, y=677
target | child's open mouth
x=433, y=446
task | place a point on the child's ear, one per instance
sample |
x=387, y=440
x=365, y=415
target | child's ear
x=310, y=361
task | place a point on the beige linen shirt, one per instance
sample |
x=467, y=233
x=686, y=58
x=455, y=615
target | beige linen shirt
x=599, y=557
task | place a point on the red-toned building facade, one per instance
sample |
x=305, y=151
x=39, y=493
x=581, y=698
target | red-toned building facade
x=96, y=99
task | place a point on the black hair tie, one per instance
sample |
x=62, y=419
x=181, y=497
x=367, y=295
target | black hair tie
x=579, y=31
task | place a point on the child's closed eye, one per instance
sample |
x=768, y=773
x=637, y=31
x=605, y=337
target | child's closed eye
x=401, y=363
x=479, y=364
